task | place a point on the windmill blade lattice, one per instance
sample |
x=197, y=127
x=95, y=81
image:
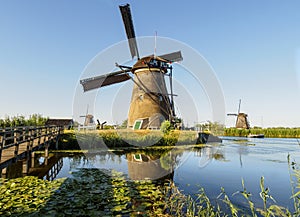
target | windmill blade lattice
x=104, y=80
x=127, y=20
x=172, y=57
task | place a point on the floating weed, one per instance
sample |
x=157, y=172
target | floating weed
x=94, y=192
x=25, y=194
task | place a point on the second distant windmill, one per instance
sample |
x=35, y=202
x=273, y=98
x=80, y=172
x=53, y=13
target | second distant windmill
x=242, y=119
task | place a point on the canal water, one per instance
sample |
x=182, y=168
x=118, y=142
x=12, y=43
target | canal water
x=212, y=167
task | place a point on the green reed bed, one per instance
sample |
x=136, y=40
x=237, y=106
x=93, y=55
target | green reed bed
x=98, y=139
x=276, y=132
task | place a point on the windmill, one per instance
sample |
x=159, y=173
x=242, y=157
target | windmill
x=242, y=119
x=151, y=103
x=88, y=118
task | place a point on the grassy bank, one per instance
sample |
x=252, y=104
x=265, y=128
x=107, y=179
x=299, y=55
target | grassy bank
x=278, y=132
x=73, y=140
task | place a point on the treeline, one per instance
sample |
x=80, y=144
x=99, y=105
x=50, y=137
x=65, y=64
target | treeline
x=214, y=127
x=19, y=121
x=275, y=132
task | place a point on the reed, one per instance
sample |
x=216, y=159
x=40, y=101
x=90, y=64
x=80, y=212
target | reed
x=278, y=132
x=124, y=138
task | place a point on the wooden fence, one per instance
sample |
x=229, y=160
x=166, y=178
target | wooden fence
x=17, y=143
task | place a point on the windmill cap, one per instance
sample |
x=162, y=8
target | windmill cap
x=144, y=62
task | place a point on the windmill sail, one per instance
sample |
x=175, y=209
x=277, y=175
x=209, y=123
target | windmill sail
x=127, y=19
x=239, y=106
x=172, y=57
x=104, y=80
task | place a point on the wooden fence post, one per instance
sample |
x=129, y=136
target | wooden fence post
x=58, y=129
x=1, y=144
x=38, y=135
x=32, y=159
x=26, y=165
x=24, y=132
x=4, y=172
x=16, y=142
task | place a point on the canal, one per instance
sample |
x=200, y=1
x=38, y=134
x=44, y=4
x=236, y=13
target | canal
x=192, y=168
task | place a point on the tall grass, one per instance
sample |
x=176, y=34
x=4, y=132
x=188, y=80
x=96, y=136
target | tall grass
x=278, y=132
x=124, y=138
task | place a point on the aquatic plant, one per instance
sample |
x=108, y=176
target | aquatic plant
x=25, y=195
x=94, y=192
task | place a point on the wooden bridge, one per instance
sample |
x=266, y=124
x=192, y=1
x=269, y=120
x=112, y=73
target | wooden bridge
x=20, y=142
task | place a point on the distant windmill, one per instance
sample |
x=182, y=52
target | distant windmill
x=242, y=119
x=151, y=103
x=88, y=118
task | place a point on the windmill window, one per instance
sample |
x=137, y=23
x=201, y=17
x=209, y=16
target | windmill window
x=154, y=63
x=137, y=124
x=160, y=98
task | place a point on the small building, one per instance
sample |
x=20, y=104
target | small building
x=66, y=123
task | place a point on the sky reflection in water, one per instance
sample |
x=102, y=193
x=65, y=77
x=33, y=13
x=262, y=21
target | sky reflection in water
x=214, y=167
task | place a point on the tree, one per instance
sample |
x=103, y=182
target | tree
x=19, y=121
x=124, y=124
x=213, y=127
x=166, y=127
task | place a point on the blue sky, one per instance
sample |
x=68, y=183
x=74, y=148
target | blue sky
x=253, y=47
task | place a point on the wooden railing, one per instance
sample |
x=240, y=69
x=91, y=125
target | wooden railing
x=19, y=142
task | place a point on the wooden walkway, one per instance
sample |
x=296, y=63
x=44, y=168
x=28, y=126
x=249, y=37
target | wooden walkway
x=18, y=143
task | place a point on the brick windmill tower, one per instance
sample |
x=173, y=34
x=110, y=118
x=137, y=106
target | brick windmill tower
x=151, y=103
x=241, y=120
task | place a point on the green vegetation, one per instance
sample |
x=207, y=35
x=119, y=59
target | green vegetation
x=122, y=138
x=213, y=127
x=166, y=127
x=25, y=195
x=95, y=192
x=124, y=124
x=278, y=132
x=19, y=121
x=275, y=132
